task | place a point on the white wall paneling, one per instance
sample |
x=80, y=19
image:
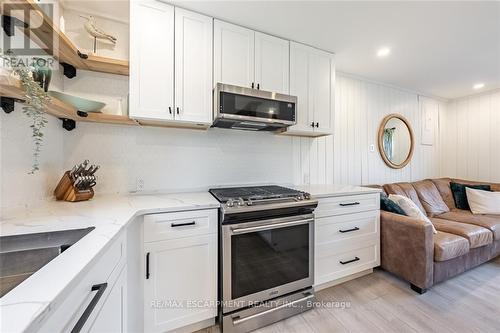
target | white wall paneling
x=345, y=158
x=470, y=132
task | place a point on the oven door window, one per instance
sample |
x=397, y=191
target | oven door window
x=267, y=259
x=242, y=105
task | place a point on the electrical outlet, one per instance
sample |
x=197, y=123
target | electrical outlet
x=307, y=179
x=372, y=148
x=139, y=185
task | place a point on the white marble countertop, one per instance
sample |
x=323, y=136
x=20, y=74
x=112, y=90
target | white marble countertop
x=335, y=190
x=25, y=307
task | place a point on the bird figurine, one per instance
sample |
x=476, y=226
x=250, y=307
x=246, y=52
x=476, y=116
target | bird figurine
x=96, y=32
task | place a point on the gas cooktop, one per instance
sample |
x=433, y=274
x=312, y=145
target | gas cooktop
x=255, y=193
x=239, y=198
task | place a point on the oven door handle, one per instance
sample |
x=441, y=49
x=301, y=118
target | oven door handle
x=238, y=231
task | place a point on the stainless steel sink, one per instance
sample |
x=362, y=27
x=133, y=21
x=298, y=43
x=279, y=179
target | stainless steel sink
x=23, y=255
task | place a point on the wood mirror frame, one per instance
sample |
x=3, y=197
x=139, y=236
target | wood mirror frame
x=381, y=141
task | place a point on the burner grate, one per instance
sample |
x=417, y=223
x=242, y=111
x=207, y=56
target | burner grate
x=253, y=192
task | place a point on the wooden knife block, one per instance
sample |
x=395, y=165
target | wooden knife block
x=67, y=192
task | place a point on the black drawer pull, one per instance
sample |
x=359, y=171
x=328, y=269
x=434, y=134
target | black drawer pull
x=100, y=288
x=349, y=204
x=349, y=230
x=349, y=261
x=147, y=265
x=173, y=225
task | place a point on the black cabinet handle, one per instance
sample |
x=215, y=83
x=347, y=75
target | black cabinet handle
x=312, y=124
x=100, y=288
x=170, y=109
x=349, y=261
x=258, y=85
x=349, y=204
x=349, y=230
x=177, y=110
x=147, y=265
x=173, y=225
x=253, y=85
x=317, y=124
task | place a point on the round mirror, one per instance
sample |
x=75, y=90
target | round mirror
x=395, y=141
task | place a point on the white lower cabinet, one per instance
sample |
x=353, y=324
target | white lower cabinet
x=180, y=277
x=112, y=317
x=98, y=301
x=347, y=238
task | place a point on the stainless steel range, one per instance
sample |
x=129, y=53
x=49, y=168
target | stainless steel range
x=266, y=246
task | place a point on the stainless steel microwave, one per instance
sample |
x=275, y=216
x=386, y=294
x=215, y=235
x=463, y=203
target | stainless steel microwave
x=252, y=109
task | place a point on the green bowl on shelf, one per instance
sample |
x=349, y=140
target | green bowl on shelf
x=81, y=104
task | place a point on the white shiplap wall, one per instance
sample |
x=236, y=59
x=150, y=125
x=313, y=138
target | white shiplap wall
x=470, y=135
x=345, y=157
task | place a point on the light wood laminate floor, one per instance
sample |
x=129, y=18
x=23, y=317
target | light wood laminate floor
x=380, y=302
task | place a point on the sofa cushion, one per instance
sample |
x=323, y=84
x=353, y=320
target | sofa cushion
x=430, y=197
x=460, y=195
x=491, y=222
x=404, y=189
x=443, y=186
x=476, y=235
x=483, y=202
x=390, y=206
x=448, y=246
x=495, y=187
x=410, y=208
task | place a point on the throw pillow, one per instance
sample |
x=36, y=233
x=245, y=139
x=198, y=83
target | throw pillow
x=483, y=202
x=460, y=195
x=411, y=209
x=389, y=205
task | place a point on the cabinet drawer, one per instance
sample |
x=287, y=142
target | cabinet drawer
x=347, y=204
x=332, y=266
x=345, y=227
x=105, y=270
x=181, y=224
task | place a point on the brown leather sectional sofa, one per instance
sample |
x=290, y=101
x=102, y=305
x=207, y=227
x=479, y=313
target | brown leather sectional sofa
x=411, y=250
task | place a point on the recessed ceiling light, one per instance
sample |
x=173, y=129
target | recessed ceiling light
x=383, y=52
x=478, y=86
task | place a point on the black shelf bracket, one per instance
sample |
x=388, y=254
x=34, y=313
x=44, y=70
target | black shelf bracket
x=9, y=22
x=82, y=55
x=82, y=114
x=68, y=70
x=7, y=104
x=68, y=124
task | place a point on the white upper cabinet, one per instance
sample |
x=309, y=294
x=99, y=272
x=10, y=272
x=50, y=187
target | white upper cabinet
x=312, y=80
x=234, y=54
x=322, y=78
x=193, y=66
x=272, y=63
x=300, y=86
x=156, y=30
x=246, y=58
x=151, y=60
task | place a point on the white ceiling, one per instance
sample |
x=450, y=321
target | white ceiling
x=438, y=48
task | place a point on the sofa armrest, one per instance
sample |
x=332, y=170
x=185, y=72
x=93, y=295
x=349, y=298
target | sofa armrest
x=407, y=248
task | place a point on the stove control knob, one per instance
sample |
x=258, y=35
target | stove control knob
x=307, y=196
x=230, y=203
x=241, y=202
x=300, y=197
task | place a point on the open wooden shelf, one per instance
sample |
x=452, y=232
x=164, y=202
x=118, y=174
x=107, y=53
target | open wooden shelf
x=11, y=87
x=61, y=48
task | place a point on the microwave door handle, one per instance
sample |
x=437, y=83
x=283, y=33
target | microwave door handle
x=239, y=231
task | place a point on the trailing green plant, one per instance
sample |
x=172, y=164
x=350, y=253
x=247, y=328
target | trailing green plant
x=36, y=100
